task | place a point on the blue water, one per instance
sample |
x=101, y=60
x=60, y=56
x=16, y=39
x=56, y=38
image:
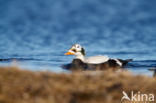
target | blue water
x=37, y=33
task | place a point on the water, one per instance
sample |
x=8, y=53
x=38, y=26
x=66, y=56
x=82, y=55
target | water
x=37, y=33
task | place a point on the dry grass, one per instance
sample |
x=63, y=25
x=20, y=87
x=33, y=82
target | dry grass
x=23, y=86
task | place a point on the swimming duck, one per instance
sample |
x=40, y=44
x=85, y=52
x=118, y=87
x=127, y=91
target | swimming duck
x=95, y=62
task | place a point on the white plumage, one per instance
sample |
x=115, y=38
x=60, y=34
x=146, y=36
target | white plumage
x=96, y=59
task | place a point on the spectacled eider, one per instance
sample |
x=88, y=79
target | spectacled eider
x=92, y=63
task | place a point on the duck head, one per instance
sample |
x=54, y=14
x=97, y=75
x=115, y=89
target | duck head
x=76, y=50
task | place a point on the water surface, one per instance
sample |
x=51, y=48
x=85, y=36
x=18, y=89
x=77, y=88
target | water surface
x=37, y=33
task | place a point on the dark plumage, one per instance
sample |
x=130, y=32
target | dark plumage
x=77, y=64
x=125, y=62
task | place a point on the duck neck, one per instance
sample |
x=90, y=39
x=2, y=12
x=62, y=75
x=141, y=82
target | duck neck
x=81, y=57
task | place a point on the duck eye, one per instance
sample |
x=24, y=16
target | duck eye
x=78, y=46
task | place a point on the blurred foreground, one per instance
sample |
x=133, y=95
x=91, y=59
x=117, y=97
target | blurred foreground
x=23, y=86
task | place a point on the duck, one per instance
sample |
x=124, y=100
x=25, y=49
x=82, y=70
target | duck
x=100, y=62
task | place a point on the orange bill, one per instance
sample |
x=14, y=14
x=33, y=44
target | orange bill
x=69, y=53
